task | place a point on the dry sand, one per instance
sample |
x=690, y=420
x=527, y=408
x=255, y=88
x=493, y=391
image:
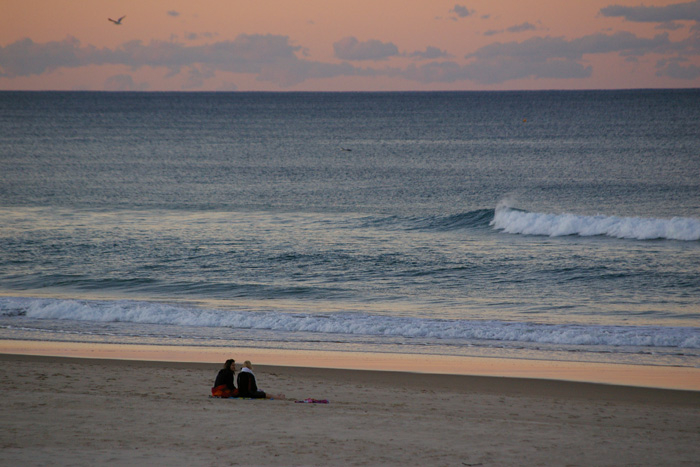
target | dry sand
x=72, y=411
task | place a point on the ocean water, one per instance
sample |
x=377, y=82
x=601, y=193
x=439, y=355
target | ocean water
x=546, y=225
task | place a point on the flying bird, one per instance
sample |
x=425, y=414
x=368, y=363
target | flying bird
x=117, y=22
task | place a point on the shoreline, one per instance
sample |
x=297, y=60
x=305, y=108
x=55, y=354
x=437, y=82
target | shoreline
x=643, y=376
x=95, y=411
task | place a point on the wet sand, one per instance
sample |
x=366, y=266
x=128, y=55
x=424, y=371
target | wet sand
x=87, y=411
x=666, y=377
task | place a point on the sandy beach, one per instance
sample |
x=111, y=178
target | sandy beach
x=82, y=411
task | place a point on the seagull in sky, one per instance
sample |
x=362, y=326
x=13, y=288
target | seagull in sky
x=117, y=22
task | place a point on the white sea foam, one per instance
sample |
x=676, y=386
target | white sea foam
x=514, y=221
x=353, y=324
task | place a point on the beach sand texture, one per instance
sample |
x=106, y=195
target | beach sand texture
x=70, y=411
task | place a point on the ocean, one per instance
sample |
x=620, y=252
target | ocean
x=553, y=225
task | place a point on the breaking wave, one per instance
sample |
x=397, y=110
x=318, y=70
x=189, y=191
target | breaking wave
x=514, y=221
x=358, y=324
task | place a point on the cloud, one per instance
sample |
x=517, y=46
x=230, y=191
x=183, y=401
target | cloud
x=25, y=57
x=196, y=76
x=674, y=69
x=539, y=58
x=655, y=14
x=461, y=11
x=349, y=48
x=289, y=73
x=667, y=17
x=556, y=57
x=496, y=71
x=522, y=27
x=271, y=57
x=275, y=59
x=123, y=82
x=245, y=54
x=669, y=26
x=513, y=29
x=227, y=86
x=545, y=48
x=193, y=36
x=434, y=72
x=430, y=53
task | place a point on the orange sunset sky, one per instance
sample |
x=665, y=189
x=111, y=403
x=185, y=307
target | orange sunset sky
x=326, y=45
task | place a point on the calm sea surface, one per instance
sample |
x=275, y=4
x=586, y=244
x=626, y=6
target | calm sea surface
x=552, y=225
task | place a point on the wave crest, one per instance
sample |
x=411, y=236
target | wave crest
x=515, y=221
x=358, y=324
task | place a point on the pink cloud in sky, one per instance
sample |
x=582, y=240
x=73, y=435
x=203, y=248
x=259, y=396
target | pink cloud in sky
x=653, y=45
x=461, y=11
x=349, y=48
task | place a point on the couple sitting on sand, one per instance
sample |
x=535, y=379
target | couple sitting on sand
x=247, y=387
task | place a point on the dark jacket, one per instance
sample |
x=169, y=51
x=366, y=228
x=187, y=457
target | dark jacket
x=247, y=386
x=225, y=376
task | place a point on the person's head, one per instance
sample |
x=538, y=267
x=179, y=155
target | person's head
x=248, y=365
x=230, y=364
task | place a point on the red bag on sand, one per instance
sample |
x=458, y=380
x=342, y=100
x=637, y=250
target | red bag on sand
x=223, y=391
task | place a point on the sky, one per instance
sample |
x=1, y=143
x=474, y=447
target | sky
x=363, y=45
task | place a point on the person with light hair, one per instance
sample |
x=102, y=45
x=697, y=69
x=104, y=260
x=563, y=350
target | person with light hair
x=247, y=386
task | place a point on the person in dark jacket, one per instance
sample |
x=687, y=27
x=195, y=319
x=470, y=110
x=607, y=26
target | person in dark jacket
x=248, y=387
x=223, y=386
